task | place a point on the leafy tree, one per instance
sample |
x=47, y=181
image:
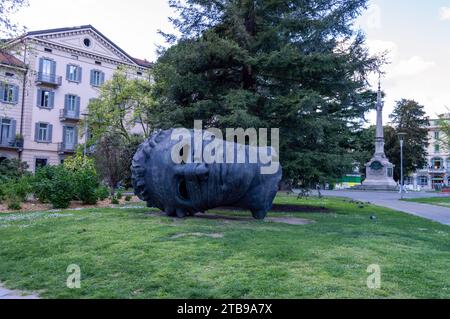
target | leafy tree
x=408, y=117
x=113, y=156
x=295, y=65
x=8, y=28
x=123, y=104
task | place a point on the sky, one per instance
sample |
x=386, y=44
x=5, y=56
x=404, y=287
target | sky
x=416, y=34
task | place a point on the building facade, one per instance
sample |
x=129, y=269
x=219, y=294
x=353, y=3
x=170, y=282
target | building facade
x=46, y=86
x=437, y=172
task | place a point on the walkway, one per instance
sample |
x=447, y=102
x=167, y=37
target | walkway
x=392, y=200
x=14, y=294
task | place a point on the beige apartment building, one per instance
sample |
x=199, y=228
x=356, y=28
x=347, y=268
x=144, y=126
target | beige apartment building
x=437, y=171
x=46, y=82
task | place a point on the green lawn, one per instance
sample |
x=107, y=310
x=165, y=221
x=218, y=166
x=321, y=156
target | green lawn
x=127, y=253
x=439, y=201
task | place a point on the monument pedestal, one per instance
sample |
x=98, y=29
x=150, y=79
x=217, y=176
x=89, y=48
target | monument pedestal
x=379, y=175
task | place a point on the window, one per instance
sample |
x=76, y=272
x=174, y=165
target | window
x=139, y=73
x=437, y=148
x=72, y=106
x=98, y=62
x=9, y=74
x=43, y=133
x=97, y=78
x=40, y=162
x=45, y=99
x=9, y=93
x=87, y=42
x=47, y=67
x=436, y=135
x=437, y=163
x=48, y=50
x=5, y=131
x=423, y=180
x=73, y=73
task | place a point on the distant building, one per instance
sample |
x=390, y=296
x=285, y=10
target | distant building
x=46, y=84
x=437, y=171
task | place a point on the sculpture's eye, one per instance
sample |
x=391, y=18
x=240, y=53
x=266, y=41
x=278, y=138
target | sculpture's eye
x=184, y=154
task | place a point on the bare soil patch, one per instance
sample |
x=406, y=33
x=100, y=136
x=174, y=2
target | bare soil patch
x=35, y=206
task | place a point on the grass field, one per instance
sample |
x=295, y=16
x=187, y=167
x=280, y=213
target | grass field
x=129, y=253
x=439, y=201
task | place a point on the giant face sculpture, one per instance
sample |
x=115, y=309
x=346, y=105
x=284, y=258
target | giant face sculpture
x=183, y=188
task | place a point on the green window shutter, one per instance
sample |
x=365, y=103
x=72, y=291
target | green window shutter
x=92, y=77
x=16, y=94
x=64, y=134
x=39, y=98
x=12, y=131
x=2, y=91
x=76, y=135
x=49, y=133
x=68, y=72
x=79, y=74
x=41, y=65
x=66, y=101
x=77, y=109
x=36, y=132
x=51, y=100
x=53, y=67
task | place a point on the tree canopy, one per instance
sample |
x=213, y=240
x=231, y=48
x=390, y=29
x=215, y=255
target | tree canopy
x=295, y=65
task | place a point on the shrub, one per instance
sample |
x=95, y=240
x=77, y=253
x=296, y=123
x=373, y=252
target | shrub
x=119, y=195
x=14, y=204
x=102, y=192
x=85, y=178
x=115, y=200
x=62, y=188
x=42, y=183
x=128, y=198
x=16, y=192
x=12, y=169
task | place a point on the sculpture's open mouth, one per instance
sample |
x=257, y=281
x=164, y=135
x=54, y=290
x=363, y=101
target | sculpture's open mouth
x=182, y=189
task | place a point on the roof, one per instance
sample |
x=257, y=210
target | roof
x=8, y=59
x=140, y=62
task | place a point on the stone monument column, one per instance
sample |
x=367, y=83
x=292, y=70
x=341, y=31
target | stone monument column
x=379, y=171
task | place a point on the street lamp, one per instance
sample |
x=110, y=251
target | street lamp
x=401, y=136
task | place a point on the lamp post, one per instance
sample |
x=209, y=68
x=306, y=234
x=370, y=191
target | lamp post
x=401, y=136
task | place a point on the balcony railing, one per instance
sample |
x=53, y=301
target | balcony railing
x=15, y=144
x=66, y=115
x=51, y=79
x=65, y=148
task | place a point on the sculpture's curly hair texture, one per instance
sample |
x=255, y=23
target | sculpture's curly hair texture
x=139, y=164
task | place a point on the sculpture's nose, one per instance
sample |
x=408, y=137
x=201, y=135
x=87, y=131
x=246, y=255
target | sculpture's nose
x=193, y=170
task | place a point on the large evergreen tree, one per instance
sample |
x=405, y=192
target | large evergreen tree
x=297, y=65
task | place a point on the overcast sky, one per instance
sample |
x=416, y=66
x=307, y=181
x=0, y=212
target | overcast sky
x=416, y=32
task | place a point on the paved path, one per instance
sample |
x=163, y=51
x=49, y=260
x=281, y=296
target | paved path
x=392, y=200
x=14, y=294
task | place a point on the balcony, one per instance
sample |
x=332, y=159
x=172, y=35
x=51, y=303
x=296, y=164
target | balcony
x=15, y=144
x=69, y=116
x=48, y=79
x=437, y=170
x=64, y=148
